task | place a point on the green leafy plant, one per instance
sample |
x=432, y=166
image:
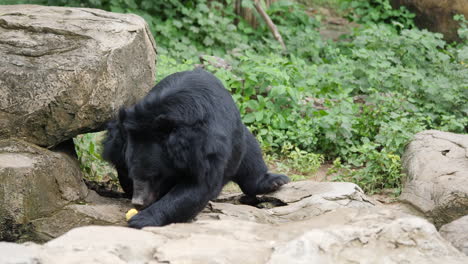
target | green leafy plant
x=381, y=171
x=463, y=30
x=297, y=164
x=88, y=147
x=378, y=11
x=356, y=102
x=462, y=48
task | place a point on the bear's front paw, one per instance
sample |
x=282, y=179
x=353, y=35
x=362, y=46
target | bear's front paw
x=143, y=219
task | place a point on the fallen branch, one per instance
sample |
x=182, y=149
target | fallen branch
x=270, y=23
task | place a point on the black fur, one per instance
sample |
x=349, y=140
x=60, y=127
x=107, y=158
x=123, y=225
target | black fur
x=176, y=148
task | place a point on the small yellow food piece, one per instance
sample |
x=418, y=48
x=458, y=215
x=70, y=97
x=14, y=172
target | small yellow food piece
x=131, y=213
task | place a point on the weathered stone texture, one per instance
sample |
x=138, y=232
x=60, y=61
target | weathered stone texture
x=65, y=71
x=436, y=164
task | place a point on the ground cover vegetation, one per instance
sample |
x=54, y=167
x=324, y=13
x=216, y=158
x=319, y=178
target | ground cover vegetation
x=353, y=103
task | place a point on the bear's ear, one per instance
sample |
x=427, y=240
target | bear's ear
x=122, y=115
x=164, y=124
x=114, y=144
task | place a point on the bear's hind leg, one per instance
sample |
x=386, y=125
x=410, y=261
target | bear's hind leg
x=253, y=176
x=271, y=182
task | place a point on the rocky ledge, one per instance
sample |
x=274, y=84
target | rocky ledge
x=303, y=222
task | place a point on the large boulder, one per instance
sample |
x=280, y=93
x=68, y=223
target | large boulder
x=436, y=165
x=93, y=210
x=42, y=195
x=436, y=15
x=35, y=183
x=347, y=235
x=65, y=71
x=457, y=233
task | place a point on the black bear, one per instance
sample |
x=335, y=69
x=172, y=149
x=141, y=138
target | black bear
x=176, y=149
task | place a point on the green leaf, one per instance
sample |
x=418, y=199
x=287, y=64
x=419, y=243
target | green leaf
x=208, y=41
x=258, y=116
x=249, y=118
x=177, y=23
x=277, y=90
x=131, y=4
x=91, y=147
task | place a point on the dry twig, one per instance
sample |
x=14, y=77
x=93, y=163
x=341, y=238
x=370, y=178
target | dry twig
x=270, y=23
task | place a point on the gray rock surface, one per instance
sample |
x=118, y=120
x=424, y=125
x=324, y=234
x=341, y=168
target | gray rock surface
x=456, y=233
x=346, y=227
x=65, y=71
x=297, y=201
x=436, y=164
x=373, y=235
x=308, y=198
x=35, y=183
x=347, y=235
x=94, y=210
x=15, y=253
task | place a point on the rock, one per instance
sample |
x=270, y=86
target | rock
x=19, y=254
x=109, y=245
x=346, y=228
x=293, y=202
x=436, y=165
x=456, y=233
x=347, y=235
x=436, y=15
x=308, y=198
x=366, y=236
x=35, y=183
x=403, y=208
x=65, y=71
x=95, y=210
